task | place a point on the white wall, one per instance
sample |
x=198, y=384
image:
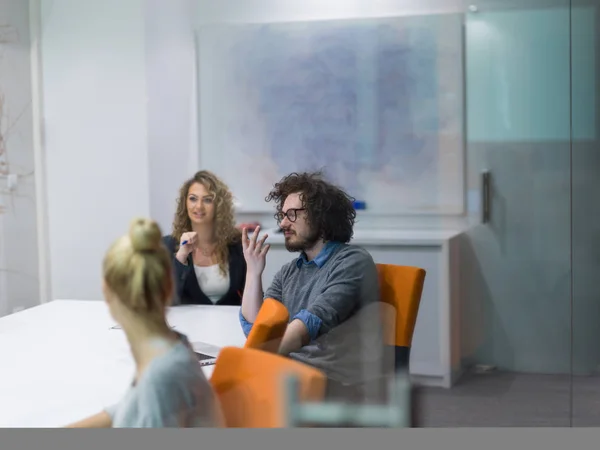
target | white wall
x=94, y=100
x=138, y=84
x=19, y=281
x=171, y=108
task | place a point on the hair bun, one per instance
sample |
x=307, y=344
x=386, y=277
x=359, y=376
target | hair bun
x=145, y=235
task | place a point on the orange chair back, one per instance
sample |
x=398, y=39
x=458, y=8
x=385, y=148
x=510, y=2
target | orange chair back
x=269, y=326
x=250, y=384
x=401, y=287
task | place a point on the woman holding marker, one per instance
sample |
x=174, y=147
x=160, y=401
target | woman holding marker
x=205, y=245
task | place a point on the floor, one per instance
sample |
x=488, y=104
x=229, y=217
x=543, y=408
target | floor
x=499, y=399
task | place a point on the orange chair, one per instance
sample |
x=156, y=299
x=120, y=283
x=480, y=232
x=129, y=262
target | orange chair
x=269, y=326
x=401, y=287
x=250, y=385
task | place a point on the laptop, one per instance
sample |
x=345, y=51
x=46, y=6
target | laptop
x=206, y=353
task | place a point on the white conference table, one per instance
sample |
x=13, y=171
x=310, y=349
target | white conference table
x=61, y=361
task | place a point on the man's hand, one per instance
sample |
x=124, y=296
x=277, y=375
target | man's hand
x=255, y=253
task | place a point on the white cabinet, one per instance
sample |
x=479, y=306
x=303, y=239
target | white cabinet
x=435, y=354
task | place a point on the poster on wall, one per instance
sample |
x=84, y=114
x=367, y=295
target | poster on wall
x=376, y=104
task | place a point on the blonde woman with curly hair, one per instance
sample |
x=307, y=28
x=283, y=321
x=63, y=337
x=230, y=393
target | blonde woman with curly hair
x=169, y=388
x=205, y=245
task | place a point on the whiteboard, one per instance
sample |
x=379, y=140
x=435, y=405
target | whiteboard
x=377, y=104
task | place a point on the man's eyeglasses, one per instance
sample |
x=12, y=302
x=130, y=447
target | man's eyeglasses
x=291, y=214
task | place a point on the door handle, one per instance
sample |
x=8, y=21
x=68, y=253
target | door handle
x=485, y=196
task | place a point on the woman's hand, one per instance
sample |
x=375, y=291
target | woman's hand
x=187, y=243
x=99, y=420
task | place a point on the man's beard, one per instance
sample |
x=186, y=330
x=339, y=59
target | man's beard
x=301, y=244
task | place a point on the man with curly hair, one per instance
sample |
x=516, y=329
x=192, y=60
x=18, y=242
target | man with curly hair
x=331, y=290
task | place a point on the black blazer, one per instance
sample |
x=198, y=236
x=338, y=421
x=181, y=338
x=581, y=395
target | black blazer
x=188, y=290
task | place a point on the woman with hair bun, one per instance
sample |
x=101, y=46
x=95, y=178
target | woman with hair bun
x=169, y=388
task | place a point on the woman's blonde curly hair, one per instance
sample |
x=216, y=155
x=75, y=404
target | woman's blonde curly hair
x=224, y=227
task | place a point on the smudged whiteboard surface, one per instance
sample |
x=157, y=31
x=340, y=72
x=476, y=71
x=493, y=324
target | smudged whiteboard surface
x=376, y=103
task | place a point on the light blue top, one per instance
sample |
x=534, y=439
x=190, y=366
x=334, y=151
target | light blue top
x=171, y=393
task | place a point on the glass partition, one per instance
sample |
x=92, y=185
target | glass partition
x=585, y=213
x=466, y=133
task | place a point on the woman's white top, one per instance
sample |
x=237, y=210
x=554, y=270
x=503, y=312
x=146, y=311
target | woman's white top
x=212, y=282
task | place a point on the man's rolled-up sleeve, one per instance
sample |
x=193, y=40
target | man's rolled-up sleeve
x=345, y=290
